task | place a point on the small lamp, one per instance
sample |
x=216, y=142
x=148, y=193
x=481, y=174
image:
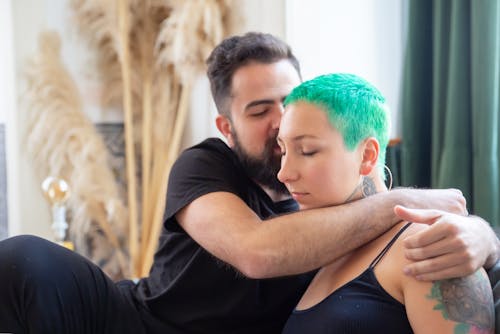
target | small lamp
x=56, y=191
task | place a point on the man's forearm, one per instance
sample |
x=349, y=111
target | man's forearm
x=285, y=246
x=332, y=233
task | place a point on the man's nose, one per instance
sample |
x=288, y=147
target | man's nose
x=277, y=117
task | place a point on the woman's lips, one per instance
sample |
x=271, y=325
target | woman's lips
x=298, y=196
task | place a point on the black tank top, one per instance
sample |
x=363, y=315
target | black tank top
x=359, y=306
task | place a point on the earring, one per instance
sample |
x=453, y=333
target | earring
x=390, y=176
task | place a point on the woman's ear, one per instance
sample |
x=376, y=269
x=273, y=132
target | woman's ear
x=371, y=150
x=224, y=126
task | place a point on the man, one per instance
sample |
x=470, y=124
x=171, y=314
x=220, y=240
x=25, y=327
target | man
x=220, y=268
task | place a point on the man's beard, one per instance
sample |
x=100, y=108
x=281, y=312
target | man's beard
x=264, y=169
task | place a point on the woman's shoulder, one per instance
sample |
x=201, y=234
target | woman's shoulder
x=435, y=304
x=414, y=227
x=389, y=270
x=397, y=235
x=401, y=231
x=411, y=229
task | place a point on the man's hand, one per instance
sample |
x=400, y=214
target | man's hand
x=452, y=246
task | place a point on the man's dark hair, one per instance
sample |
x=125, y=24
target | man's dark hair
x=237, y=51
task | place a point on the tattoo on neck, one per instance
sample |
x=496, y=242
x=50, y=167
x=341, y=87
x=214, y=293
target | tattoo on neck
x=368, y=187
x=467, y=301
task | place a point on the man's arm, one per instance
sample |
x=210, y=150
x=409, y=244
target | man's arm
x=294, y=243
x=454, y=246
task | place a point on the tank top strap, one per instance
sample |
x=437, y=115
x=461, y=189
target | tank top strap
x=379, y=257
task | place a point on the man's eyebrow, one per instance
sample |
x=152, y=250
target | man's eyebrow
x=258, y=102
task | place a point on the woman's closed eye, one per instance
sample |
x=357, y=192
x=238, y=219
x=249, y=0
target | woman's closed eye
x=308, y=153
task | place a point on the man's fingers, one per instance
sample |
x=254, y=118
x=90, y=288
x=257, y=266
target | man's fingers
x=432, y=249
x=443, y=267
x=432, y=234
x=448, y=273
x=424, y=216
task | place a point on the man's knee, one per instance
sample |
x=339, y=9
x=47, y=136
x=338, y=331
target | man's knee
x=27, y=256
x=21, y=246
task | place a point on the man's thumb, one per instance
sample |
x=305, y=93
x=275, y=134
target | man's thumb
x=423, y=216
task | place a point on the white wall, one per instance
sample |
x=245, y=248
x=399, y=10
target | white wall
x=28, y=211
x=8, y=101
x=364, y=37
x=6, y=60
x=265, y=16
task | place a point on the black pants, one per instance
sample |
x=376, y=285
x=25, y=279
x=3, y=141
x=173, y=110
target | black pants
x=45, y=288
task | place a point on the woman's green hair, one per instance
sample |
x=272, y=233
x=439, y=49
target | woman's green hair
x=354, y=107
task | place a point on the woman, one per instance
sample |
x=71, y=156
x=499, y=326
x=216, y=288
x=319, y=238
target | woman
x=333, y=137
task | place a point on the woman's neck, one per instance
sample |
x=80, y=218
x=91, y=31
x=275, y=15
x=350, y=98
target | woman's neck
x=369, y=185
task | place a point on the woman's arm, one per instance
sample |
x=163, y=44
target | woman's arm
x=458, y=305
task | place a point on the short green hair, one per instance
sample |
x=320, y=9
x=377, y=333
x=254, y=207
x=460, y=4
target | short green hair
x=354, y=107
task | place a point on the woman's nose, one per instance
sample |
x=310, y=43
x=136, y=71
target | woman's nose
x=286, y=173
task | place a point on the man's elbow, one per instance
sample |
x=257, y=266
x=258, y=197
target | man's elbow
x=255, y=265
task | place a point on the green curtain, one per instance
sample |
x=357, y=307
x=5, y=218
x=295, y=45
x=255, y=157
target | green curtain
x=450, y=100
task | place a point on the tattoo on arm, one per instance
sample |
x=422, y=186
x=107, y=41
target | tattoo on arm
x=466, y=300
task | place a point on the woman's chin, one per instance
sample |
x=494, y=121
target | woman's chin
x=302, y=207
x=308, y=206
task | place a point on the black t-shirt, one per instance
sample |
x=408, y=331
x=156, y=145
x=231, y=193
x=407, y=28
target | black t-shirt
x=189, y=290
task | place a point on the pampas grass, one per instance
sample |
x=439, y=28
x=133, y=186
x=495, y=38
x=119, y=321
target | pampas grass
x=184, y=41
x=149, y=53
x=188, y=36
x=64, y=143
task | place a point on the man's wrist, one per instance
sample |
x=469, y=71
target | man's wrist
x=395, y=197
x=405, y=196
x=494, y=256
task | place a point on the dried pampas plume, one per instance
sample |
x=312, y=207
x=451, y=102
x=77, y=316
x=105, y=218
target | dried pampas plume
x=63, y=142
x=189, y=34
x=97, y=22
x=184, y=40
x=148, y=54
